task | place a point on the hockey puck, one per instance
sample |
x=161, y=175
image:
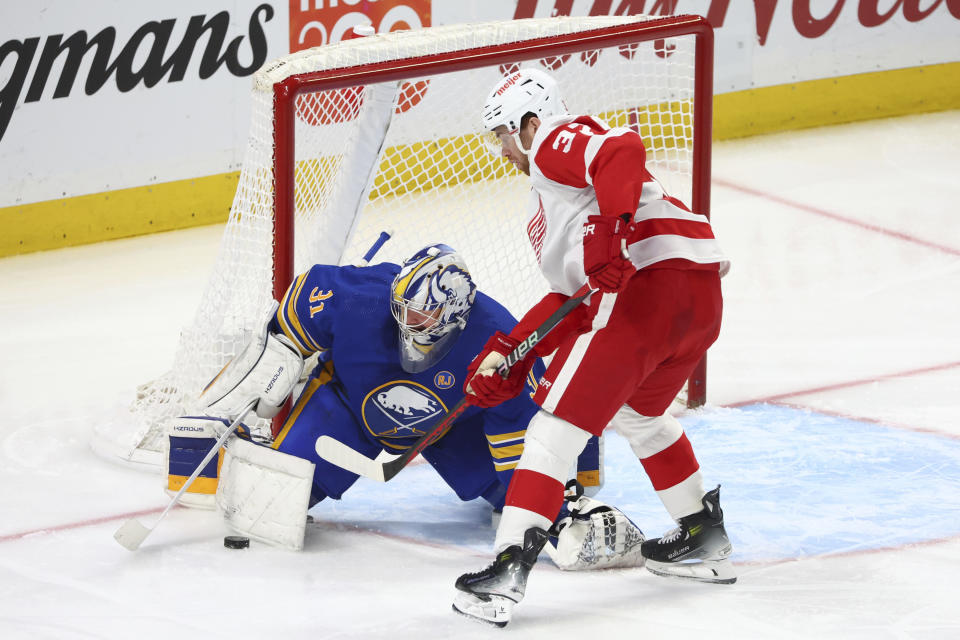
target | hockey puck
x=236, y=542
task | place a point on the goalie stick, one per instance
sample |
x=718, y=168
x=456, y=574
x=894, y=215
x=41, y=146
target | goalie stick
x=132, y=533
x=386, y=465
x=374, y=248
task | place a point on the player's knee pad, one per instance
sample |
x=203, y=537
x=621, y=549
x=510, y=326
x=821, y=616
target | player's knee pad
x=190, y=439
x=647, y=435
x=551, y=445
x=264, y=494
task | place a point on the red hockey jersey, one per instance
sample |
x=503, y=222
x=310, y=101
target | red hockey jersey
x=581, y=167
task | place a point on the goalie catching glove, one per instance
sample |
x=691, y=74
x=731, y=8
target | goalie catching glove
x=604, y=260
x=485, y=387
x=590, y=534
x=267, y=370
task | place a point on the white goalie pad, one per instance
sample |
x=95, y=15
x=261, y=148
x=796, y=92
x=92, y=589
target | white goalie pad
x=594, y=536
x=267, y=368
x=264, y=494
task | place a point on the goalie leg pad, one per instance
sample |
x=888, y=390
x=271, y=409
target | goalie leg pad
x=264, y=494
x=589, y=470
x=189, y=441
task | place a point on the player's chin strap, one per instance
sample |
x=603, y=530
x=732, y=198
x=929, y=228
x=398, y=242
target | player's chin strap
x=590, y=534
x=386, y=466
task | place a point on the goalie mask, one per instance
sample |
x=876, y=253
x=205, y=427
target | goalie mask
x=430, y=299
x=525, y=91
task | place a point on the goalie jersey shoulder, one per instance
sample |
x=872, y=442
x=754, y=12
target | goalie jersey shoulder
x=320, y=298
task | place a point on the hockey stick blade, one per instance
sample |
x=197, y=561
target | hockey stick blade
x=131, y=534
x=335, y=452
x=343, y=456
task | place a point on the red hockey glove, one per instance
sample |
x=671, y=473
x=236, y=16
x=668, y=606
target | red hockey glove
x=484, y=387
x=603, y=260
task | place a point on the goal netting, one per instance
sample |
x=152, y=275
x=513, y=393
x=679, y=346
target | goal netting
x=383, y=132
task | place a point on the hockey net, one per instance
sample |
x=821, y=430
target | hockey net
x=383, y=132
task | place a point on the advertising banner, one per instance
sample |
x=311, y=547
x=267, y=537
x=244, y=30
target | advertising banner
x=108, y=96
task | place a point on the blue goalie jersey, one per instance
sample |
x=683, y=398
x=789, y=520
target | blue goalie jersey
x=360, y=395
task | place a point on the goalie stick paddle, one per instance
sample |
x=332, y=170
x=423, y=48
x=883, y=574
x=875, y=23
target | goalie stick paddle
x=386, y=466
x=132, y=533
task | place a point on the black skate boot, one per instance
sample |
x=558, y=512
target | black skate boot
x=698, y=549
x=491, y=594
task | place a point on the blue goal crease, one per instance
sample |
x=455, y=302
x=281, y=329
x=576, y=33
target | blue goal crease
x=795, y=483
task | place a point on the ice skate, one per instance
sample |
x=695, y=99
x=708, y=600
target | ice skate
x=698, y=549
x=491, y=594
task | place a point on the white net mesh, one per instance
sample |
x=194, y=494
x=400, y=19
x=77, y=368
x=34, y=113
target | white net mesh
x=429, y=178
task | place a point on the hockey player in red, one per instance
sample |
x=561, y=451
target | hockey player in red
x=596, y=215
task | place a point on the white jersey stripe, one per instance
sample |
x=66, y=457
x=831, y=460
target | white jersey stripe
x=593, y=147
x=683, y=498
x=572, y=362
x=667, y=247
x=657, y=209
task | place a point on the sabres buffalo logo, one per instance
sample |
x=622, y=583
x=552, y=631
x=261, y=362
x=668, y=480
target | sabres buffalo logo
x=399, y=412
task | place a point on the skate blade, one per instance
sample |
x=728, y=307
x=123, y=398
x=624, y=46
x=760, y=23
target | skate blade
x=496, y=610
x=712, y=571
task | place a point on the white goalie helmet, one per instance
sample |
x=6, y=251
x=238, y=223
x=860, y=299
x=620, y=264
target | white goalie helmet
x=430, y=299
x=525, y=91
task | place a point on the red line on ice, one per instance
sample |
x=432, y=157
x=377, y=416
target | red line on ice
x=844, y=385
x=839, y=218
x=76, y=525
x=95, y=521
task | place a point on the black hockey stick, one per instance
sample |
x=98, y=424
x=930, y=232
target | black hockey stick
x=386, y=466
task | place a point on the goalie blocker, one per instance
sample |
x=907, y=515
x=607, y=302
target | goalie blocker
x=267, y=369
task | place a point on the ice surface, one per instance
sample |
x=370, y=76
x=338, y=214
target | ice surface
x=833, y=426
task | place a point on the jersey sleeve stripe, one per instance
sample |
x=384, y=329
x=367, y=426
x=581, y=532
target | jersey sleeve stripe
x=666, y=226
x=511, y=451
x=285, y=324
x=502, y=438
x=290, y=321
x=659, y=208
x=505, y=466
x=294, y=316
x=666, y=247
x=593, y=147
